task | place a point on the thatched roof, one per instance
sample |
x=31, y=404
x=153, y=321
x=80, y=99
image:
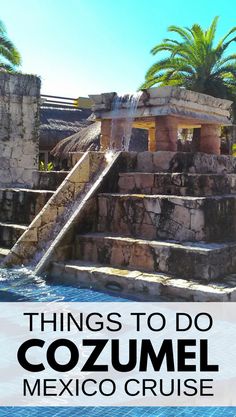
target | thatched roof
x=89, y=138
x=59, y=123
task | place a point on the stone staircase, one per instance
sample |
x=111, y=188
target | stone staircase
x=19, y=206
x=161, y=234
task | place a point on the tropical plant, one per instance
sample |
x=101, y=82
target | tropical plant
x=46, y=167
x=195, y=62
x=234, y=149
x=10, y=58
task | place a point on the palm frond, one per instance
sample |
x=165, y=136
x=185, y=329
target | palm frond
x=222, y=40
x=183, y=32
x=165, y=46
x=195, y=63
x=2, y=27
x=10, y=56
x=211, y=31
x=6, y=67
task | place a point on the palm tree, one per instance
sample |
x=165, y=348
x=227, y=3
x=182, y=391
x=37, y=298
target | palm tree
x=195, y=63
x=10, y=58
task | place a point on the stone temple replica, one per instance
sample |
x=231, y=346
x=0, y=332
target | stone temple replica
x=162, y=111
x=159, y=223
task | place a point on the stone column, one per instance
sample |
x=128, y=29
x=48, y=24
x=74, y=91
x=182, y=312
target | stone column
x=152, y=139
x=210, y=139
x=105, y=134
x=112, y=134
x=166, y=133
x=117, y=134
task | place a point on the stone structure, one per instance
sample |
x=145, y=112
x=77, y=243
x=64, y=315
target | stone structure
x=162, y=111
x=19, y=104
x=160, y=224
x=164, y=226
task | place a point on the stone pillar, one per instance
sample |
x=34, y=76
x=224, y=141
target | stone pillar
x=117, y=134
x=19, y=129
x=166, y=133
x=105, y=134
x=152, y=139
x=112, y=134
x=210, y=139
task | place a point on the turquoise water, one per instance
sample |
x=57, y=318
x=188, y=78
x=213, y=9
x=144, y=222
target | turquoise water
x=120, y=412
x=22, y=285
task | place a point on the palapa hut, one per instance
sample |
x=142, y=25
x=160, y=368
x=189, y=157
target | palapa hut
x=57, y=123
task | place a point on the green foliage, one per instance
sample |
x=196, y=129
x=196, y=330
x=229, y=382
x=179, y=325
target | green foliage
x=195, y=62
x=234, y=149
x=46, y=167
x=10, y=58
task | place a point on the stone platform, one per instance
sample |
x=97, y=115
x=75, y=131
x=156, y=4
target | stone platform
x=164, y=225
x=147, y=287
x=161, y=111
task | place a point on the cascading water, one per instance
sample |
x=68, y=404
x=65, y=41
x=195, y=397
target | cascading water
x=128, y=102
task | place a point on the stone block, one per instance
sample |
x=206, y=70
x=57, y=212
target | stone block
x=145, y=161
x=178, y=218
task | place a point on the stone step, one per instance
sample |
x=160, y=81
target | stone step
x=19, y=205
x=10, y=233
x=210, y=219
x=197, y=162
x=3, y=252
x=149, y=286
x=48, y=180
x=176, y=183
x=203, y=262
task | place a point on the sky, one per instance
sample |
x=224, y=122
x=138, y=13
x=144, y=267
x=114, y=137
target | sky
x=81, y=47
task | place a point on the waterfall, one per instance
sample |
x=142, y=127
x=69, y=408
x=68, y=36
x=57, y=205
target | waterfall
x=129, y=103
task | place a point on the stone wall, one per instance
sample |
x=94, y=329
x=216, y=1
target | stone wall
x=48, y=180
x=19, y=122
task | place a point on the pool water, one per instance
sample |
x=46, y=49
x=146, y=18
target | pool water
x=119, y=412
x=21, y=285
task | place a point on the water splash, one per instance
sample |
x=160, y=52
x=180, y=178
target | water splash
x=109, y=155
x=123, y=128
